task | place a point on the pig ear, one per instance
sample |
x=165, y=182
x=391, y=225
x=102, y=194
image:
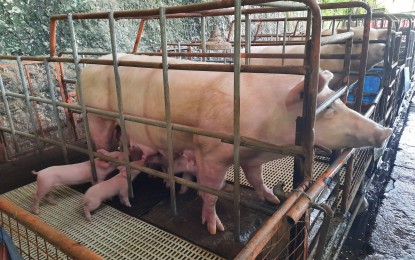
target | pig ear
x=103, y=151
x=296, y=93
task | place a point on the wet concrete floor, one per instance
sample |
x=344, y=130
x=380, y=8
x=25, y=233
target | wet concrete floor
x=387, y=229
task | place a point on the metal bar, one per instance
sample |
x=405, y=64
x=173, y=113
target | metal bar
x=9, y=115
x=330, y=100
x=247, y=39
x=284, y=40
x=34, y=126
x=270, y=227
x=32, y=92
x=56, y=112
x=236, y=123
x=70, y=247
x=139, y=34
x=347, y=186
x=298, y=209
x=80, y=96
x=119, y=100
x=203, y=35
x=170, y=155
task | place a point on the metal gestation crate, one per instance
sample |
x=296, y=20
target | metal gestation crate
x=286, y=233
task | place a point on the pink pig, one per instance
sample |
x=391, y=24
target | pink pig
x=71, y=174
x=105, y=190
x=184, y=162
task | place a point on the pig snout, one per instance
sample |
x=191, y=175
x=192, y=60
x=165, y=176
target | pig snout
x=380, y=136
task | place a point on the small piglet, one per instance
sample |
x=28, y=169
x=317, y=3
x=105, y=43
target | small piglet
x=105, y=190
x=71, y=174
x=185, y=162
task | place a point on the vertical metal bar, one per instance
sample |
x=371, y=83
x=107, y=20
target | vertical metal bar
x=9, y=115
x=28, y=105
x=284, y=40
x=32, y=92
x=55, y=111
x=308, y=26
x=236, y=122
x=347, y=184
x=247, y=38
x=119, y=100
x=167, y=108
x=80, y=95
x=203, y=35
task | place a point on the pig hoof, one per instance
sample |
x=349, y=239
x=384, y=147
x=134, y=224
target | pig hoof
x=36, y=211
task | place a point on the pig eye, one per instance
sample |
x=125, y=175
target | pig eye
x=329, y=112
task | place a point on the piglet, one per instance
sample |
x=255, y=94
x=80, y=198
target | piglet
x=72, y=174
x=105, y=190
x=185, y=162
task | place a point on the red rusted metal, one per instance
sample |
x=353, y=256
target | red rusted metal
x=139, y=34
x=70, y=247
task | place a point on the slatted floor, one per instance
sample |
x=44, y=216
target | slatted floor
x=112, y=234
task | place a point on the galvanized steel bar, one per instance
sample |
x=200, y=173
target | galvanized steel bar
x=203, y=35
x=284, y=39
x=56, y=112
x=170, y=155
x=34, y=126
x=80, y=95
x=119, y=100
x=247, y=38
x=9, y=115
x=236, y=123
x=330, y=100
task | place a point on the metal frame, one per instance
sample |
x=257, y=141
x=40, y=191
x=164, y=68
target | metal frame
x=298, y=203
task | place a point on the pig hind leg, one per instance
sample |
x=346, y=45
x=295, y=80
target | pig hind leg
x=254, y=176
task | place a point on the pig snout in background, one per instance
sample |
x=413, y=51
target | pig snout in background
x=72, y=174
x=117, y=185
x=205, y=100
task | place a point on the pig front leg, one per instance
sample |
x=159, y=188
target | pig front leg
x=254, y=176
x=102, y=132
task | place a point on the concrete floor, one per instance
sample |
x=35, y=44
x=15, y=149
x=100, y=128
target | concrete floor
x=393, y=235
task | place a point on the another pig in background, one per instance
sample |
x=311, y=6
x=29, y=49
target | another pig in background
x=375, y=55
x=270, y=104
x=117, y=185
x=72, y=174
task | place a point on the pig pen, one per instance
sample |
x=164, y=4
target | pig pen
x=295, y=228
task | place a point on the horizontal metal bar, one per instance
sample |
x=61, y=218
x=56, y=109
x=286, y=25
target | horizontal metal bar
x=71, y=248
x=338, y=38
x=330, y=100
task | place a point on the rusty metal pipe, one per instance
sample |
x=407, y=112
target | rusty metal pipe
x=298, y=209
x=270, y=227
x=70, y=247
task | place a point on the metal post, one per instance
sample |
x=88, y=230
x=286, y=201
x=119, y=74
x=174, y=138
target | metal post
x=236, y=121
x=203, y=35
x=247, y=38
x=167, y=108
x=284, y=40
x=9, y=115
x=55, y=111
x=28, y=105
x=119, y=100
x=80, y=96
